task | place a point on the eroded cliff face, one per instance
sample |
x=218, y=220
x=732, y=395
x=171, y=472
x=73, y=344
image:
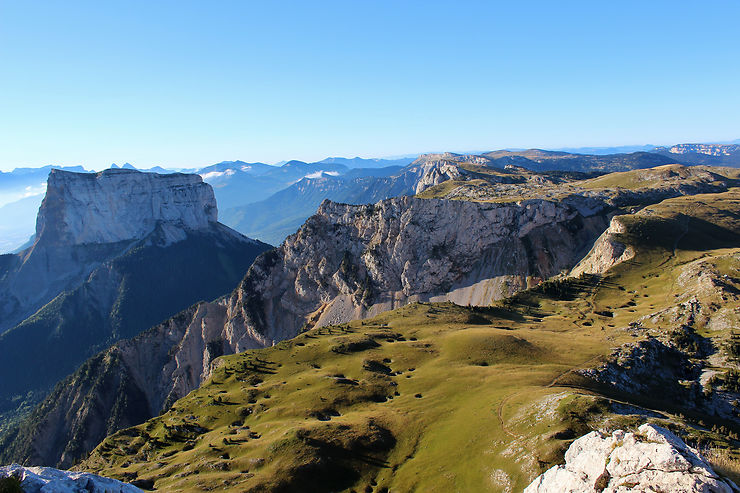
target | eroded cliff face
x=607, y=252
x=432, y=170
x=120, y=205
x=350, y=262
x=89, y=218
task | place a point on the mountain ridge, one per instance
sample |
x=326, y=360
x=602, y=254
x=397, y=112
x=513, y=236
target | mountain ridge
x=115, y=253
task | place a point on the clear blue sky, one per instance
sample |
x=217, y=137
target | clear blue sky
x=191, y=83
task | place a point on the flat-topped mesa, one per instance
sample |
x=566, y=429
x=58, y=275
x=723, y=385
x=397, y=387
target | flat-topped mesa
x=120, y=205
x=87, y=219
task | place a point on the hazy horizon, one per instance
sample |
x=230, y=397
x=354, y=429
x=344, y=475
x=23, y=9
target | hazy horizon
x=399, y=156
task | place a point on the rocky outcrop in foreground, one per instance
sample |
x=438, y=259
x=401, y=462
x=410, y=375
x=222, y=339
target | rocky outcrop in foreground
x=653, y=459
x=48, y=480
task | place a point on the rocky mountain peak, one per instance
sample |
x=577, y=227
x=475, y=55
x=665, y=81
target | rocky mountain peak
x=121, y=205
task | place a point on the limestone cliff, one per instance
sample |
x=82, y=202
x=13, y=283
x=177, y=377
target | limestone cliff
x=120, y=205
x=433, y=169
x=76, y=296
x=87, y=219
x=607, y=252
x=350, y=262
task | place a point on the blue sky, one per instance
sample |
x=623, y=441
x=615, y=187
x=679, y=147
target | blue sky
x=191, y=83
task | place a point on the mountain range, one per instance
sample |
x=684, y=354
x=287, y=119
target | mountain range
x=247, y=192
x=477, y=234
x=493, y=307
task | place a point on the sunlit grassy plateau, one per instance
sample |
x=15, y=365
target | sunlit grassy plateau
x=439, y=397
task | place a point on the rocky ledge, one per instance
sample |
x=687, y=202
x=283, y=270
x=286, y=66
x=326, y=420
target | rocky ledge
x=653, y=459
x=49, y=480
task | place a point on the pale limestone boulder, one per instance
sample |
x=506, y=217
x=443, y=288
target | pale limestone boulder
x=653, y=459
x=606, y=252
x=50, y=480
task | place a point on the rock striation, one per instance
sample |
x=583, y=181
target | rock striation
x=653, y=459
x=49, y=480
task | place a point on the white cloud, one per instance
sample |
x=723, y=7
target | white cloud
x=30, y=191
x=318, y=174
x=217, y=174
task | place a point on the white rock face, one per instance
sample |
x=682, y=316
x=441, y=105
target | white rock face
x=606, y=252
x=709, y=149
x=50, y=480
x=433, y=172
x=118, y=205
x=349, y=262
x=654, y=459
x=89, y=218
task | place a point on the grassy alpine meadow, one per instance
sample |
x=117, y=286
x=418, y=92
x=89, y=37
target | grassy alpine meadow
x=439, y=397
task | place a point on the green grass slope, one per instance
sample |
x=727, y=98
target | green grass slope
x=439, y=397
